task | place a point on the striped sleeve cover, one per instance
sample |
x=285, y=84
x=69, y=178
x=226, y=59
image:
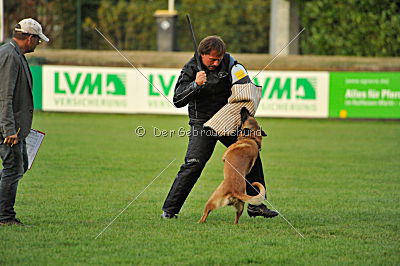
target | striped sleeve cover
x=227, y=120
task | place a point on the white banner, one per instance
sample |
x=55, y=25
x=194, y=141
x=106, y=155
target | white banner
x=111, y=90
x=125, y=90
x=293, y=94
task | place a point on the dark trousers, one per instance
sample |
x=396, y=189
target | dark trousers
x=201, y=146
x=15, y=164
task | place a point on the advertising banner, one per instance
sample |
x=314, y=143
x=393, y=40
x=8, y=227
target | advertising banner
x=156, y=93
x=364, y=95
x=37, y=86
x=113, y=90
x=292, y=93
x=125, y=90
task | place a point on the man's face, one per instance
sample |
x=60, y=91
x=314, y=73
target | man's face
x=31, y=42
x=212, y=60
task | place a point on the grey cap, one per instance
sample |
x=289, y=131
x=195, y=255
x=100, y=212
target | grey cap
x=31, y=26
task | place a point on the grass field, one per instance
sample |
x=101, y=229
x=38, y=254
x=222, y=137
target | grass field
x=336, y=181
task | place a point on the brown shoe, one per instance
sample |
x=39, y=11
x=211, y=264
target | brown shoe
x=9, y=222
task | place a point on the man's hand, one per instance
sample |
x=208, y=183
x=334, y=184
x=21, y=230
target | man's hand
x=13, y=139
x=201, y=78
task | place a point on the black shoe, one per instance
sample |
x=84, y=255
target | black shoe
x=260, y=210
x=166, y=215
x=13, y=221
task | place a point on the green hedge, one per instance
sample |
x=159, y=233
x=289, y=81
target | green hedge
x=128, y=24
x=352, y=27
x=131, y=24
x=244, y=25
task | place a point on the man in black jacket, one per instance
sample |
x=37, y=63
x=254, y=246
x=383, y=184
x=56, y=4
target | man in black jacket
x=206, y=91
x=16, y=104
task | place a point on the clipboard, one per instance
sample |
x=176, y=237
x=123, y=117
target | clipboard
x=33, y=142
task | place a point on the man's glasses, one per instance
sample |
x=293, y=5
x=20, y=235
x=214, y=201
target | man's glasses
x=39, y=39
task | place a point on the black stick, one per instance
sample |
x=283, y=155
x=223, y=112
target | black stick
x=196, y=53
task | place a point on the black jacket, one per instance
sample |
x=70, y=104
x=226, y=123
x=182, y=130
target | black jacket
x=204, y=101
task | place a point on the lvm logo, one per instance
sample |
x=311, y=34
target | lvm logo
x=288, y=88
x=166, y=84
x=272, y=87
x=89, y=83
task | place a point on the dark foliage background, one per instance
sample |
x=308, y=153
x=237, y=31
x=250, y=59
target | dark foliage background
x=352, y=27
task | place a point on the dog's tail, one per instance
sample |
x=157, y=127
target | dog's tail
x=254, y=200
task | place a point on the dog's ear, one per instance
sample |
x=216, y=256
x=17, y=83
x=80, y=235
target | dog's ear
x=263, y=133
x=244, y=114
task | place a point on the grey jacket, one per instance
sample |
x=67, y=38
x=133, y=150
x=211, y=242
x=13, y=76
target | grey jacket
x=16, y=101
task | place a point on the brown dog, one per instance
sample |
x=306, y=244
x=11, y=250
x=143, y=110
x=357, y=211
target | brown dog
x=239, y=158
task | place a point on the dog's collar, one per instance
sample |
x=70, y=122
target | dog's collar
x=258, y=144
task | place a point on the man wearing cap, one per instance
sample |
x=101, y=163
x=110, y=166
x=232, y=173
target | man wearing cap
x=206, y=91
x=16, y=104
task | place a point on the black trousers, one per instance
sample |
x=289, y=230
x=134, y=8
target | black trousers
x=202, y=142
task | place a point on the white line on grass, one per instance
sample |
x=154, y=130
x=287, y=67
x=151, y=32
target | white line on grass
x=280, y=214
x=133, y=200
x=116, y=49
